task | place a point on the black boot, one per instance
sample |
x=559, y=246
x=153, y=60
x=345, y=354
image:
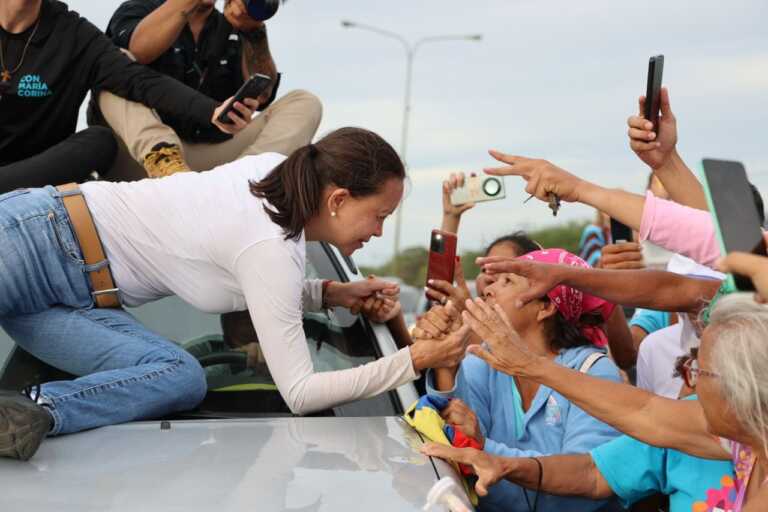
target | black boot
x=23, y=424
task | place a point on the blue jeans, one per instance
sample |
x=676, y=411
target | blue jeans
x=125, y=372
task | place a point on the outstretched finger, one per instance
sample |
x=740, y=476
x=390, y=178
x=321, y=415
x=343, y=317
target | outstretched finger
x=462, y=455
x=507, y=171
x=507, y=159
x=641, y=107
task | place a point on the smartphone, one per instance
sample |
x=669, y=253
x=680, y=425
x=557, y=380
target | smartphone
x=735, y=216
x=653, y=91
x=479, y=188
x=252, y=88
x=442, y=256
x=620, y=233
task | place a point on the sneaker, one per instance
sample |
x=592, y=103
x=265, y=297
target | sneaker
x=23, y=424
x=164, y=159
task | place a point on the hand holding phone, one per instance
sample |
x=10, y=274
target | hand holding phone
x=735, y=215
x=252, y=88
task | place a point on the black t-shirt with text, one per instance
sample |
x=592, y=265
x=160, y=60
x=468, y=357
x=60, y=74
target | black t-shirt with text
x=67, y=57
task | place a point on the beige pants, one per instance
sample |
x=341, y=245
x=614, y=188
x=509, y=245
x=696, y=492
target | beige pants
x=287, y=124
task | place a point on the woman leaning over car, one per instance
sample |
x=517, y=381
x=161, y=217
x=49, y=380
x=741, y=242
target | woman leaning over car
x=229, y=239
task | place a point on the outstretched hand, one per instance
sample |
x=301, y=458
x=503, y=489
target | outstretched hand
x=487, y=467
x=542, y=277
x=543, y=178
x=508, y=354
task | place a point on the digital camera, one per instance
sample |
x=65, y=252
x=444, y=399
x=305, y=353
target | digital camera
x=479, y=188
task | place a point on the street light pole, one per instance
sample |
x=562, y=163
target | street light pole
x=410, y=52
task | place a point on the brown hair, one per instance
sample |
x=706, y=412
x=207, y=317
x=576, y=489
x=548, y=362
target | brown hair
x=352, y=158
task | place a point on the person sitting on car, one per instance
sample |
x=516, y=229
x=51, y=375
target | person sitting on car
x=229, y=239
x=52, y=57
x=517, y=417
x=213, y=52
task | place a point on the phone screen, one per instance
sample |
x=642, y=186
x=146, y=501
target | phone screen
x=653, y=90
x=620, y=232
x=733, y=208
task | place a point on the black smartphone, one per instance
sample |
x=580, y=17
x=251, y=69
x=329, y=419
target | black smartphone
x=734, y=212
x=653, y=91
x=252, y=88
x=620, y=233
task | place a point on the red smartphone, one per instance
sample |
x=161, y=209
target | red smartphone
x=442, y=256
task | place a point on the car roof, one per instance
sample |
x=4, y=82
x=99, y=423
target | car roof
x=226, y=465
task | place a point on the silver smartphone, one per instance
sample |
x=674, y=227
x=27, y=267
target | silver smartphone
x=477, y=189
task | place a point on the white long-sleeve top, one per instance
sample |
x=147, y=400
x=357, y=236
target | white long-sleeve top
x=205, y=238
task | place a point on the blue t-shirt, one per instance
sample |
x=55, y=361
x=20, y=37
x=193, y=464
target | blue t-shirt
x=635, y=470
x=650, y=320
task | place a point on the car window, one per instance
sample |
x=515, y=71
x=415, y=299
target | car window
x=239, y=382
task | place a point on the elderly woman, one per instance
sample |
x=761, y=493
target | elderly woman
x=729, y=421
x=514, y=416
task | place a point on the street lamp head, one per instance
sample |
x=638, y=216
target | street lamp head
x=475, y=37
x=347, y=24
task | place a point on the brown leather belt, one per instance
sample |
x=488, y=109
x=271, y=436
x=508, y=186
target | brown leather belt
x=105, y=294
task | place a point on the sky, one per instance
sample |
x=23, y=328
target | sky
x=550, y=79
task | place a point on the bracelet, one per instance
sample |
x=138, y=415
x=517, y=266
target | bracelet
x=326, y=283
x=538, y=487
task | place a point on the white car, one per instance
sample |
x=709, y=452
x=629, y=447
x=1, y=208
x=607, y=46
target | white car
x=241, y=449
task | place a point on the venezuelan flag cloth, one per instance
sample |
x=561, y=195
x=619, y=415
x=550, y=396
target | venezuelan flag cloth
x=424, y=416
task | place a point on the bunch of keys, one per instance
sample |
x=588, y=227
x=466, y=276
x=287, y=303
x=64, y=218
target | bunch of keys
x=553, y=200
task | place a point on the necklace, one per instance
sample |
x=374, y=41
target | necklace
x=5, y=73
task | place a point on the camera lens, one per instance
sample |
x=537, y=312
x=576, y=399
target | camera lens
x=491, y=186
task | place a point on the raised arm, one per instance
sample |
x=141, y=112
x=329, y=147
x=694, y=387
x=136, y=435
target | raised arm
x=651, y=289
x=451, y=213
x=148, y=33
x=543, y=178
x=273, y=285
x=654, y=420
x=675, y=227
x=657, y=148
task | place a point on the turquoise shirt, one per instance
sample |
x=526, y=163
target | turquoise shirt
x=635, y=470
x=650, y=320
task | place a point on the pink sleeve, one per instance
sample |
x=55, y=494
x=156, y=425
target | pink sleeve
x=680, y=229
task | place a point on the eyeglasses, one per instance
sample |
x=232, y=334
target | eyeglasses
x=691, y=372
